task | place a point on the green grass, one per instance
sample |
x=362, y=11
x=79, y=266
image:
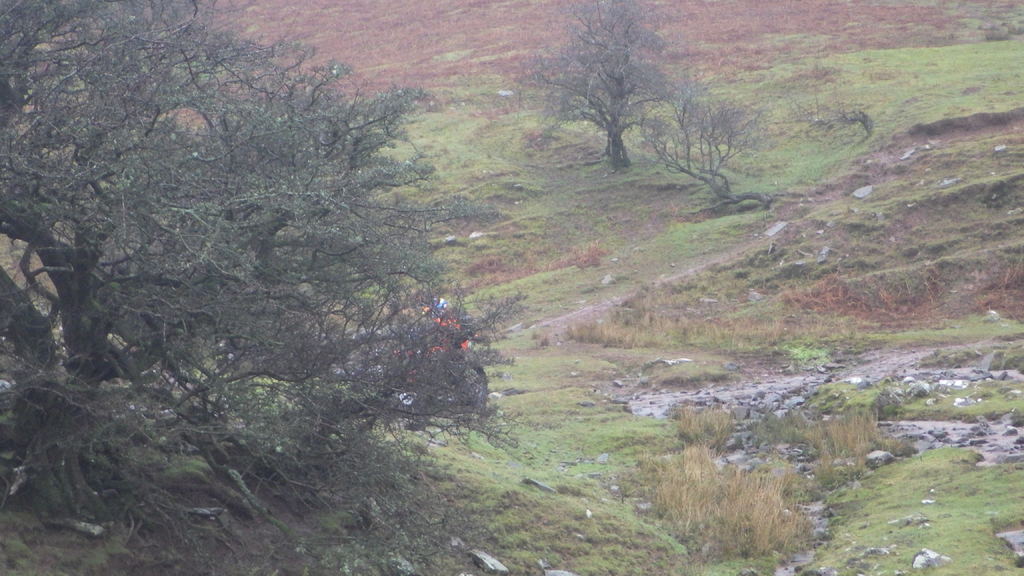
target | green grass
x=971, y=505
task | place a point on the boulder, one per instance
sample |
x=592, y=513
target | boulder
x=863, y=192
x=879, y=458
x=930, y=559
x=487, y=563
x=775, y=229
x=538, y=484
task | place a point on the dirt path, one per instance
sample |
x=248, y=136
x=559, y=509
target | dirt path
x=592, y=312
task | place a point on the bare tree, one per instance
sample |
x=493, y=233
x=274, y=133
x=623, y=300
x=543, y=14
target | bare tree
x=606, y=74
x=699, y=136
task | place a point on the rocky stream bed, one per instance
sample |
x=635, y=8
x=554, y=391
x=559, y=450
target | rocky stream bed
x=996, y=439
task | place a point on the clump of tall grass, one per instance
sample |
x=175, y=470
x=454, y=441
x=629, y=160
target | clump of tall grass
x=729, y=512
x=711, y=427
x=840, y=445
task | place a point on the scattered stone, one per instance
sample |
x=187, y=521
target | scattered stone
x=930, y=559
x=210, y=513
x=876, y=552
x=91, y=530
x=863, y=192
x=906, y=155
x=912, y=520
x=608, y=279
x=753, y=296
x=999, y=149
x=731, y=366
x=506, y=93
x=823, y=255
x=450, y=240
x=603, y=458
x=558, y=573
x=993, y=316
x=1010, y=458
x=953, y=384
x=927, y=501
x=514, y=328
x=538, y=484
x=487, y=563
x=824, y=571
x=671, y=362
x=402, y=567
x=586, y=404
x=775, y=229
x=964, y=402
x=879, y=458
x=475, y=235
x=947, y=182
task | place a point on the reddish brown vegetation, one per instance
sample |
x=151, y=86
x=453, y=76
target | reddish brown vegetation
x=439, y=42
x=907, y=296
x=1005, y=292
x=587, y=256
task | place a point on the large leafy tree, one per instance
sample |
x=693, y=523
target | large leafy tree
x=606, y=74
x=200, y=259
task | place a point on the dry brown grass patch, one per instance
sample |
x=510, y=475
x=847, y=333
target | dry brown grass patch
x=729, y=512
x=711, y=427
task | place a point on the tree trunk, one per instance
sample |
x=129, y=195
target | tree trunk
x=50, y=424
x=616, y=150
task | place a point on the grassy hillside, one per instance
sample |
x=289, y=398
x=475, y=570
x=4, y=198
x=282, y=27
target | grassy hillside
x=621, y=269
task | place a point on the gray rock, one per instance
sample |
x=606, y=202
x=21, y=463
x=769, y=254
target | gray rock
x=794, y=402
x=919, y=389
x=450, y=240
x=608, y=279
x=1000, y=148
x=947, y=182
x=1010, y=458
x=863, y=192
x=558, y=573
x=906, y=155
x=741, y=412
x=506, y=93
x=603, y=458
x=753, y=296
x=487, y=563
x=930, y=559
x=823, y=254
x=775, y=229
x=538, y=484
x=402, y=567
